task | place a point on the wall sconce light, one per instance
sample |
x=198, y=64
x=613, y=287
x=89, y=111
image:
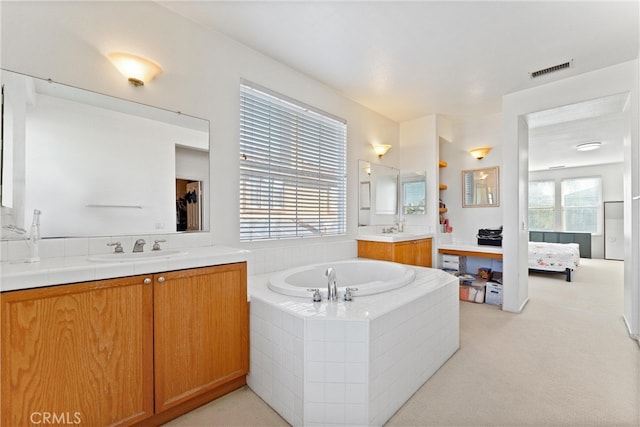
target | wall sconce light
x=588, y=146
x=480, y=152
x=380, y=149
x=136, y=69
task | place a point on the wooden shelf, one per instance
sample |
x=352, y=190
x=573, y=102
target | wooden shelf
x=443, y=210
x=442, y=163
x=443, y=186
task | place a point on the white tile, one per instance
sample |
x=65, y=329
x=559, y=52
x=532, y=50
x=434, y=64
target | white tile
x=51, y=248
x=334, y=392
x=315, y=330
x=315, y=351
x=357, y=352
x=335, y=330
x=76, y=246
x=356, y=415
x=315, y=372
x=314, y=392
x=335, y=413
x=4, y=251
x=335, y=372
x=314, y=413
x=357, y=373
x=356, y=331
x=17, y=250
x=356, y=393
x=335, y=351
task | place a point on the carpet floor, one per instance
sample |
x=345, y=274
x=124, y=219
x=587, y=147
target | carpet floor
x=566, y=360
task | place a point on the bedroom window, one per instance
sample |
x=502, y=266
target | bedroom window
x=292, y=168
x=542, y=201
x=582, y=205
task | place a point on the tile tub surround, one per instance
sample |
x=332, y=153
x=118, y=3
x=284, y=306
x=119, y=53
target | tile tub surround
x=350, y=363
x=16, y=275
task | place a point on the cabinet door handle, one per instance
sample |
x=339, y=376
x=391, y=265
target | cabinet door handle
x=160, y=279
x=147, y=281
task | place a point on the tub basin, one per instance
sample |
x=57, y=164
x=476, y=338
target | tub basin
x=369, y=276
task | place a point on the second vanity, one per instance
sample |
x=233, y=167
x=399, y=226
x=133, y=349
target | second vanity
x=405, y=248
x=122, y=343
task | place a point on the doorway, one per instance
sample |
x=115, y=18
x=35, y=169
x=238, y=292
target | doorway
x=188, y=205
x=614, y=230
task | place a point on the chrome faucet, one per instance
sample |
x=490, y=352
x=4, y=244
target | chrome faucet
x=138, y=245
x=332, y=287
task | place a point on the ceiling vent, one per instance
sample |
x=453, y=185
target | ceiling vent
x=552, y=69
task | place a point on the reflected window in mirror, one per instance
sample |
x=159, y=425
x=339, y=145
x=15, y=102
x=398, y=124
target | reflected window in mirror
x=377, y=193
x=414, y=193
x=480, y=187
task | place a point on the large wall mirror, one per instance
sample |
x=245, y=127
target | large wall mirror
x=96, y=165
x=378, y=193
x=480, y=187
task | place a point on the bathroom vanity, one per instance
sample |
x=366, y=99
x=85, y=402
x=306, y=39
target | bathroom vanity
x=404, y=248
x=141, y=349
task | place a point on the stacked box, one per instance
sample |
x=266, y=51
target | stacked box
x=493, y=293
x=473, y=292
x=450, y=262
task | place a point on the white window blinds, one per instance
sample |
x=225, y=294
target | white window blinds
x=292, y=168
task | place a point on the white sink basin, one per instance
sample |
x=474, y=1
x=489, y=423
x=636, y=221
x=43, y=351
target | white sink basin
x=136, y=256
x=392, y=237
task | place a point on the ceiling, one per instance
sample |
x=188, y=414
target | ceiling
x=410, y=59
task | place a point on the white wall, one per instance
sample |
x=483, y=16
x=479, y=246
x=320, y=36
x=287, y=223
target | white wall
x=621, y=78
x=68, y=42
x=470, y=133
x=612, y=189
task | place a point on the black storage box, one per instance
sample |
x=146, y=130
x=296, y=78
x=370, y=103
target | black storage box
x=489, y=242
x=490, y=236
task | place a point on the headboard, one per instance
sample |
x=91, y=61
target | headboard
x=583, y=239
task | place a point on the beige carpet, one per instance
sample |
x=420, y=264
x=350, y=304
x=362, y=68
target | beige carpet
x=565, y=361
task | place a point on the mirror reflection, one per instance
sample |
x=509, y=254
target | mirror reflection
x=97, y=165
x=480, y=187
x=378, y=193
x=414, y=193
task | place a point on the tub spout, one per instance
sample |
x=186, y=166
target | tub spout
x=332, y=287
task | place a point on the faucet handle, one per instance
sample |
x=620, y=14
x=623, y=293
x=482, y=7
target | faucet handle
x=316, y=294
x=156, y=244
x=118, y=247
x=347, y=293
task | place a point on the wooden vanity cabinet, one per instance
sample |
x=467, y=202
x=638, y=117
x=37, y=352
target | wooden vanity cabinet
x=81, y=353
x=200, y=332
x=135, y=350
x=412, y=252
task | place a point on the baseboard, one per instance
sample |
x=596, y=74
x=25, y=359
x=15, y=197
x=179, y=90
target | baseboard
x=631, y=335
x=518, y=310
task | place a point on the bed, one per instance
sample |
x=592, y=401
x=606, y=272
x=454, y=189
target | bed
x=557, y=252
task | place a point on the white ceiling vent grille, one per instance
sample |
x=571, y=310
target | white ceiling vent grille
x=551, y=69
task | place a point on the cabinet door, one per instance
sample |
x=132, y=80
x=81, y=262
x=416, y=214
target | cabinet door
x=413, y=252
x=200, y=331
x=78, y=354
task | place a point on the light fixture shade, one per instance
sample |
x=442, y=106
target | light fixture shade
x=588, y=146
x=136, y=69
x=480, y=152
x=381, y=149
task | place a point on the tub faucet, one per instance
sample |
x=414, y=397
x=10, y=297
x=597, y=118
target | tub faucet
x=138, y=245
x=332, y=287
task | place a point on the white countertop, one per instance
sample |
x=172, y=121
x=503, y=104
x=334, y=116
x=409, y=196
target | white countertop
x=470, y=247
x=18, y=275
x=393, y=237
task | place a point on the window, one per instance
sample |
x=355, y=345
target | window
x=292, y=168
x=582, y=205
x=542, y=201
